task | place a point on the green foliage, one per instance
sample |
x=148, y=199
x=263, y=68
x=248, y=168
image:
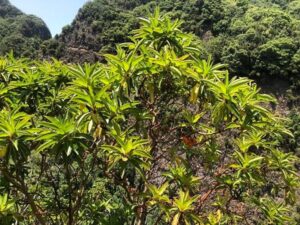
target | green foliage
x=20, y=33
x=273, y=211
x=102, y=24
x=260, y=42
x=7, y=209
x=157, y=135
x=7, y=10
x=255, y=38
x=294, y=125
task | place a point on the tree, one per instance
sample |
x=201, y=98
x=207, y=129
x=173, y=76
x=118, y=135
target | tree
x=158, y=135
x=260, y=43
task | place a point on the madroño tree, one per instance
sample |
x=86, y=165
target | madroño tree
x=157, y=135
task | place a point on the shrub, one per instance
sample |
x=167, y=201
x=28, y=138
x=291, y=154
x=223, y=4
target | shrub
x=155, y=136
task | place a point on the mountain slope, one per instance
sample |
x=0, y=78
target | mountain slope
x=21, y=33
x=101, y=24
x=257, y=38
x=8, y=10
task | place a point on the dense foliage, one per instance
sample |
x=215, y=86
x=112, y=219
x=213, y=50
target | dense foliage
x=256, y=38
x=20, y=32
x=262, y=41
x=158, y=135
x=100, y=24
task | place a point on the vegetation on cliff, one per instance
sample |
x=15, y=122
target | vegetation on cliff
x=20, y=33
x=255, y=38
x=258, y=39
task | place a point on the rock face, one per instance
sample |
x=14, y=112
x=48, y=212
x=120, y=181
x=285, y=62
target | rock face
x=20, y=33
x=98, y=26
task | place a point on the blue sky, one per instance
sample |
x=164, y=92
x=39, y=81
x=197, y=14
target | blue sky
x=55, y=13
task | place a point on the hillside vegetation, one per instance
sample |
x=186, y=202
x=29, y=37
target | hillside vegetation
x=255, y=38
x=258, y=39
x=156, y=135
x=20, y=32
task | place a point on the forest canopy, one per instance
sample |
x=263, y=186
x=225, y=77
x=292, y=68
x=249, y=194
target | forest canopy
x=23, y=34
